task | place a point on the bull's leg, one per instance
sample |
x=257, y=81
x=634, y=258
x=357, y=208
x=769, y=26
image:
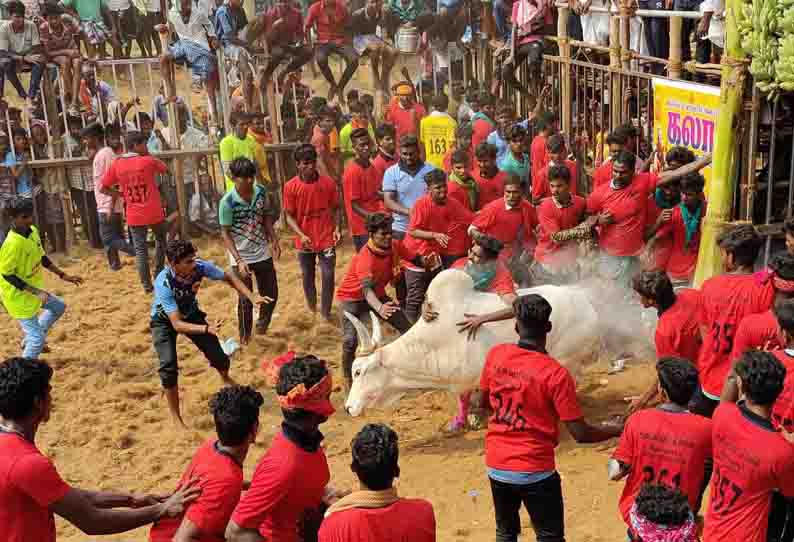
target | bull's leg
x=458, y=423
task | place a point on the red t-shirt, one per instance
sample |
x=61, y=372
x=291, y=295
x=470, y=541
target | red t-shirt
x=529, y=393
x=136, y=179
x=538, y=156
x=783, y=409
x=368, y=267
x=451, y=218
x=683, y=257
x=330, y=28
x=507, y=225
x=291, y=29
x=678, y=330
x=757, y=332
x=313, y=207
x=459, y=194
x=480, y=130
x=663, y=447
x=725, y=301
x=405, y=121
x=386, y=524
x=221, y=484
x=751, y=461
x=662, y=245
x=625, y=236
x=552, y=219
x=381, y=164
x=491, y=189
x=361, y=185
x=29, y=484
x=540, y=184
x=502, y=282
x=602, y=175
x=287, y=483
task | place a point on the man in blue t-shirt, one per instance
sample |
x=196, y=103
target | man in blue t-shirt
x=404, y=183
x=175, y=310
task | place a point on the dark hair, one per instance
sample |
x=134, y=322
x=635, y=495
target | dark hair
x=616, y=138
x=627, y=130
x=305, y=152
x=506, y=109
x=303, y=369
x=485, y=150
x=409, y=140
x=559, y=171
x=16, y=8
x=434, y=177
x=177, y=250
x=655, y=285
x=546, y=120
x=555, y=143
x=743, y=242
x=357, y=107
x=762, y=376
x=143, y=116
x=235, y=410
x=783, y=265
x=326, y=112
x=22, y=381
x=680, y=154
x=19, y=206
x=464, y=131
x=440, y=102
x=472, y=95
x=136, y=138
x=490, y=245
x=359, y=132
x=515, y=131
x=19, y=132
x=375, y=450
x=379, y=221
x=784, y=312
x=52, y=9
x=239, y=116
x=486, y=98
x=662, y=505
x=384, y=130
x=533, y=315
x=242, y=168
x=626, y=158
x=692, y=182
x=678, y=378
x=93, y=130
x=459, y=157
x=512, y=180
x=352, y=95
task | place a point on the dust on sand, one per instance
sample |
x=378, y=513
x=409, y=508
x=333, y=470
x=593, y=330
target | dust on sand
x=110, y=427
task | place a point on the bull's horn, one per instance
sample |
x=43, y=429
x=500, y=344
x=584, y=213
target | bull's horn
x=377, y=333
x=364, y=338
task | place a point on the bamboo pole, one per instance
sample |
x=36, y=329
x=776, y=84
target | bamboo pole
x=721, y=186
x=614, y=68
x=674, y=67
x=565, y=68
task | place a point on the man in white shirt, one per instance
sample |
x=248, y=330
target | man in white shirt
x=195, y=46
x=20, y=46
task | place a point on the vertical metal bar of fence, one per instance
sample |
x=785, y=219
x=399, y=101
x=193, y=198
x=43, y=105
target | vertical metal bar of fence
x=224, y=91
x=101, y=113
x=770, y=182
x=136, y=98
x=62, y=96
x=10, y=134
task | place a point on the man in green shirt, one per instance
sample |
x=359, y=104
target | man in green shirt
x=95, y=24
x=22, y=258
x=358, y=119
x=237, y=145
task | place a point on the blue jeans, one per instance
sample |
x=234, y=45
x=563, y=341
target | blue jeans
x=9, y=69
x=502, y=18
x=37, y=327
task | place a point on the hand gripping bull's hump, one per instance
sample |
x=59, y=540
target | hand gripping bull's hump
x=434, y=355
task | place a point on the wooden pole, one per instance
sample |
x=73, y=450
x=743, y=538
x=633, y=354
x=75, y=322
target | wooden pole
x=674, y=67
x=720, y=190
x=565, y=68
x=614, y=66
x=625, y=35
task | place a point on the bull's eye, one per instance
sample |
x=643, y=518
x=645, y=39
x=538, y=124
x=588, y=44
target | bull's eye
x=357, y=373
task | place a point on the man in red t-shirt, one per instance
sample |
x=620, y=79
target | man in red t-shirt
x=282, y=29
x=290, y=482
x=363, y=290
x=547, y=125
x=311, y=208
x=666, y=445
x=218, y=463
x=355, y=518
x=557, y=154
x=328, y=163
x=387, y=149
x=559, y=217
x=617, y=143
x=751, y=459
x=361, y=186
x=487, y=175
x=725, y=300
x=783, y=411
x=133, y=178
x=405, y=114
x=482, y=123
x=462, y=143
x=529, y=393
x=330, y=18
x=437, y=225
x=32, y=491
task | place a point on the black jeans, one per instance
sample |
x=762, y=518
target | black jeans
x=139, y=234
x=327, y=261
x=361, y=310
x=325, y=50
x=702, y=405
x=543, y=501
x=416, y=284
x=111, y=230
x=266, y=285
x=296, y=54
x=164, y=341
x=531, y=53
x=10, y=68
x=657, y=34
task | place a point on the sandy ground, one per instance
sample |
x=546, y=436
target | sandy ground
x=110, y=427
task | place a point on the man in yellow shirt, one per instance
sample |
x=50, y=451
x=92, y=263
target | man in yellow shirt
x=237, y=145
x=437, y=132
x=22, y=258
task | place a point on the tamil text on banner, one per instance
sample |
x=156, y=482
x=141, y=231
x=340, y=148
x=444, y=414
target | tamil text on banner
x=685, y=114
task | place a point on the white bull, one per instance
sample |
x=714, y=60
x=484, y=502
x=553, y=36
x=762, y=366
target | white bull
x=434, y=355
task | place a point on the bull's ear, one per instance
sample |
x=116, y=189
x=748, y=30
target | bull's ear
x=364, y=338
x=377, y=332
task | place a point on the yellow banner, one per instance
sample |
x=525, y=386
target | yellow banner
x=685, y=114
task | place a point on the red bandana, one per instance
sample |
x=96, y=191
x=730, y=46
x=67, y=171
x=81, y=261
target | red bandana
x=316, y=399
